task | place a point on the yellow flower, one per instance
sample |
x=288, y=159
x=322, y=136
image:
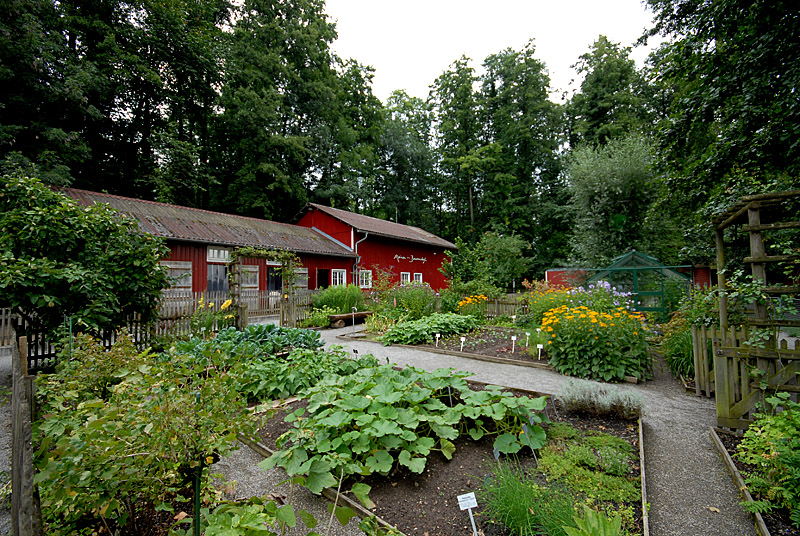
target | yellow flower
x=226, y=304
x=211, y=304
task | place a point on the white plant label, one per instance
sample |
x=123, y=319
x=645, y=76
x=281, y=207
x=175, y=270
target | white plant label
x=467, y=501
x=540, y=346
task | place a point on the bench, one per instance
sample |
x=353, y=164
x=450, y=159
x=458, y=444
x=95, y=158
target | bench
x=346, y=319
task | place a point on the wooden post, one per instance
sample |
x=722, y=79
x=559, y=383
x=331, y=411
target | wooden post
x=721, y=284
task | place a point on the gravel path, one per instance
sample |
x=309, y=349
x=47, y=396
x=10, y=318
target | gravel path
x=5, y=436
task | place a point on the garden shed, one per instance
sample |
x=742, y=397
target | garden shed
x=410, y=253
x=655, y=287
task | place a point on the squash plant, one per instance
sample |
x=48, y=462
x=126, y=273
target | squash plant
x=380, y=418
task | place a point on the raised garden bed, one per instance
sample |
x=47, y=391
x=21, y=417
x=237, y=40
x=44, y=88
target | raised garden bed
x=773, y=524
x=426, y=504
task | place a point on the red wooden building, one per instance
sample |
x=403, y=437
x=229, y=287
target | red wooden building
x=410, y=253
x=200, y=243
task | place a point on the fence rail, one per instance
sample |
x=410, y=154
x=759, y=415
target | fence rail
x=744, y=373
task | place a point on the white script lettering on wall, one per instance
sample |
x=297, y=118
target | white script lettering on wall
x=411, y=258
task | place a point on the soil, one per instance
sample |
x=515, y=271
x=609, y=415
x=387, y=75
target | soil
x=426, y=504
x=777, y=522
x=493, y=341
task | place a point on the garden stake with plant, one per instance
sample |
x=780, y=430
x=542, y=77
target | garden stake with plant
x=513, y=343
x=197, y=474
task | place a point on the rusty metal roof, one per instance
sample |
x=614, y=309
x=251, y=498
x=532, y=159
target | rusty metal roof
x=174, y=222
x=376, y=226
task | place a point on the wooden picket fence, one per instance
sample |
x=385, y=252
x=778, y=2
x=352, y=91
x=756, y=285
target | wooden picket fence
x=6, y=329
x=702, y=338
x=26, y=515
x=744, y=374
x=504, y=307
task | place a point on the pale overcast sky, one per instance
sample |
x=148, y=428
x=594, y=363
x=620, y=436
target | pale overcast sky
x=411, y=42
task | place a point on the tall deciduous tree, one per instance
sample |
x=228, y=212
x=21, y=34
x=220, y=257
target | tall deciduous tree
x=734, y=67
x=612, y=101
x=613, y=188
x=407, y=183
x=279, y=81
x=522, y=188
x=458, y=136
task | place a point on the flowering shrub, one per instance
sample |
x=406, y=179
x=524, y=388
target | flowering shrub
x=474, y=306
x=599, y=345
x=206, y=320
x=601, y=297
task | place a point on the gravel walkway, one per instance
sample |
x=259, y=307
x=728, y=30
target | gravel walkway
x=5, y=436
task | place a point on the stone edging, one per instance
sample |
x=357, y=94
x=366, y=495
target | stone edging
x=330, y=493
x=761, y=527
x=478, y=357
x=645, y=513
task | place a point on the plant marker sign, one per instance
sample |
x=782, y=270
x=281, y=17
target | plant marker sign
x=540, y=347
x=527, y=338
x=437, y=339
x=463, y=340
x=513, y=343
x=468, y=502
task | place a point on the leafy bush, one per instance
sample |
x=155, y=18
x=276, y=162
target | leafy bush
x=413, y=300
x=231, y=346
x=772, y=445
x=340, y=298
x=424, y=330
x=603, y=346
x=600, y=399
x=137, y=444
x=380, y=322
x=516, y=500
x=700, y=307
x=541, y=299
x=271, y=378
x=381, y=418
x=319, y=317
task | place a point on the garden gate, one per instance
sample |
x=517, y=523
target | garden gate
x=744, y=371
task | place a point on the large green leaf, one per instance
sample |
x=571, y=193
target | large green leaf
x=380, y=462
x=361, y=491
x=507, y=443
x=416, y=465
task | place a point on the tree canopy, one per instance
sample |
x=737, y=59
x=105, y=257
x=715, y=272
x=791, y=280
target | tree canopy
x=58, y=259
x=242, y=107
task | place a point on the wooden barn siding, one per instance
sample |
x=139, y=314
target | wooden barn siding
x=381, y=251
x=197, y=254
x=315, y=262
x=329, y=225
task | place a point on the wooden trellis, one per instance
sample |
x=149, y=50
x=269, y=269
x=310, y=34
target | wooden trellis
x=743, y=372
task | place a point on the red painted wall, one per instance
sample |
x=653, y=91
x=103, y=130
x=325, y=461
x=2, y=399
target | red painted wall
x=565, y=277
x=197, y=255
x=400, y=256
x=329, y=225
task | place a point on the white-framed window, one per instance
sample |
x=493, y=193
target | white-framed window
x=301, y=277
x=417, y=278
x=365, y=278
x=179, y=274
x=249, y=277
x=338, y=277
x=218, y=254
x=405, y=277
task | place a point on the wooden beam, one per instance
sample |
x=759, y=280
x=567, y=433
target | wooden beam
x=730, y=220
x=771, y=258
x=772, y=226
